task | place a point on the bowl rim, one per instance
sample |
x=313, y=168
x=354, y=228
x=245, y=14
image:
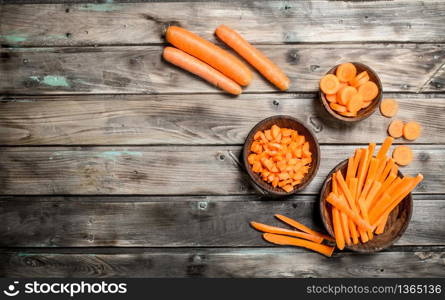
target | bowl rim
x=358, y=117
x=246, y=151
x=353, y=247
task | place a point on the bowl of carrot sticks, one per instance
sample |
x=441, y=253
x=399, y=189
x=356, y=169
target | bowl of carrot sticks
x=366, y=202
x=281, y=155
x=350, y=91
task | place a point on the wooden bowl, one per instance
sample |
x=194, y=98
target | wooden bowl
x=395, y=227
x=284, y=122
x=364, y=112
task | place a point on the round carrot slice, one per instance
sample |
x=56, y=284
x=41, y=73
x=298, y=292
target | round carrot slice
x=403, y=155
x=329, y=84
x=337, y=107
x=360, y=79
x=369, y=90
x=348, y=114
x=389, y=107
x=411, y=130
x=365, y=104
x=346, y=94
x=395, y=128
x=355, y=103
x=346, y=72
x=331, y=98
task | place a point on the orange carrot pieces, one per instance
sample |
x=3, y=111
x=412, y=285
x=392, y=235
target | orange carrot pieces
x=349, y=174
x=411, y=130
x=346, y=72
x=353, y=230
x=381, y=166
x=371, y=196
x=209, y=53
x=385, y=185
x=331, y=98
x=356, y=161
x=278, y=230
x=345, y=190
x=343, y=206
x=189, y=63
x=368, y=90
x=381, y=227
x=355, y=103
x=385, y=147
x=362, y=168
x=290, y=241
x=255, y=57
x=395, y=128
x=402, y=155
x=389, y=107
x=329, y=84
x=345, y=228
x=338, y=231
x=387, y=170
x=345, y=95
x=338, y=107
x=360, y=79
x=302, y=227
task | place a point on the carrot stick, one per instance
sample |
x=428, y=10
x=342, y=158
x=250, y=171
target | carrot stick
x=289, y=241
x=349, y=170
x=209, y=53
x=278, y=230
x=385, y=147
x=361, y=204
x=334, y=184
x=343, y=206
x=345, y=228
x=385, y=172
x=357, y=155
x=372, y=171
x=255, y=57
x=203, y=70
x=383, y=188
x=338, y=232
x=342, y=184
x=370, y=197
x=352, y=228
x=302, y=227
x=362, y=170
x=381, y=227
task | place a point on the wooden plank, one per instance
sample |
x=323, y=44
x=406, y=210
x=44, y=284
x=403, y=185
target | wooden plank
x=140, y=69
x=166, y=170
x=176, y=222
x=258, y=21
x=171, y=119
x=248, y=262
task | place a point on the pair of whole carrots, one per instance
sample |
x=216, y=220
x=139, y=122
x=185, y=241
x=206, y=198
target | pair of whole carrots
x=218, y=66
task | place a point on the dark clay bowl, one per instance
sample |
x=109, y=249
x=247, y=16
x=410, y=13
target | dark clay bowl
x=283, y=122
x=395, y=227
x=364, y=112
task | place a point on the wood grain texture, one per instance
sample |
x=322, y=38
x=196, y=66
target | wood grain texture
x=167, y=170
x=171, y=119
x=140, y=69
x=176, y=222
x=258, y=21
x=244, y=262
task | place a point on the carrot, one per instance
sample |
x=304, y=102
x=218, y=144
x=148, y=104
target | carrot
x=385, y=147
x=360, y=79
x=345, y=190
x=345, y=94
x=278, y=230
x=338, y=231
x=331, y=98
x=371, y=196
x=385, y=185
x=387, y=170
x=349, y=174
x=302, y=227
x=395, y=128
x=346, y=72
x=357, y=156
x=337, y=107
x=411, y=130
x=362, y=170
x=345, y=228
x=209, y=53
x=389, y=107
x=381, y=227
x=341, y=205
x=382, y=164
x=329, y=84
x=366, y=104
x=355, y=103
x=402, y=155
x=368, y=90
x=289, y=241
x=348, y=114
x=189, y=63
x=252, y=55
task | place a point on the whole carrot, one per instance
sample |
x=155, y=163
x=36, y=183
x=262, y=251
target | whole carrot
x=209, y=53
x=203, y=70
x=254, y=56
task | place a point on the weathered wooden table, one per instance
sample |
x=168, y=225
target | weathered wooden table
x=115, y=163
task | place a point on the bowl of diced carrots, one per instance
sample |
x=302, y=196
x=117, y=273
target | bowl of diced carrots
x=350, y=92
x=366, y=202
x=281, y=155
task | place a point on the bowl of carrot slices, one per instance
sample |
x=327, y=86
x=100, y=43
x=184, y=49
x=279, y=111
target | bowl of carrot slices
x=351, y=91
x=366, y=202
x=281, y=155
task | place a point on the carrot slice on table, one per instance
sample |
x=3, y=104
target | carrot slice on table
x=338, y=230
x=389, y=107
x=255, y=57
x=302, y=227
x=345, y=94
x=368, y=90
x=346, y=72
x=278, y=230
x=290, y=241
x=209, y=53
x=193, y=65
x=411, y=130
x=338, y=108
x=360, y=79
x=402, y=155
x=395, y=128
x=329, y=84
x=331, y=98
